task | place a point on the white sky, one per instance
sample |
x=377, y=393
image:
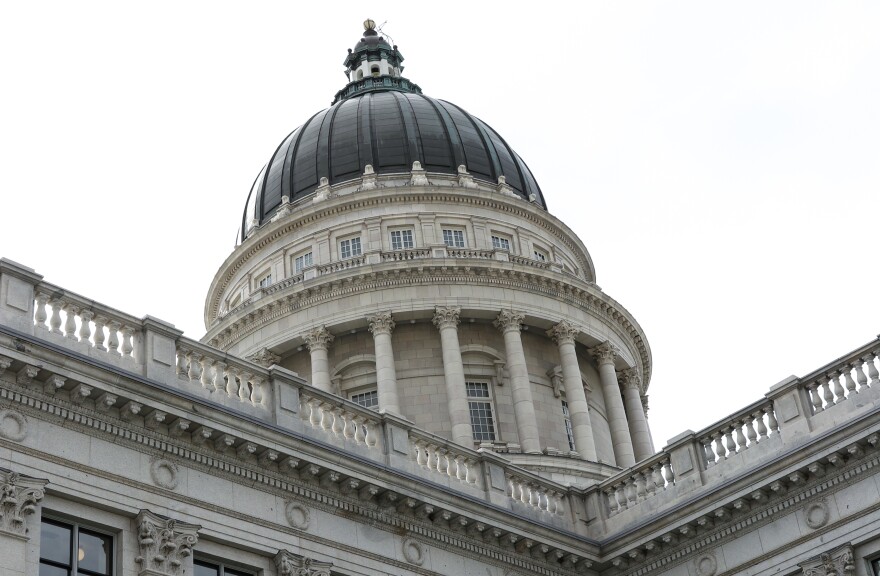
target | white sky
x=721, y=161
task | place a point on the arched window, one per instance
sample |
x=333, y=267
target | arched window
x=374, y=70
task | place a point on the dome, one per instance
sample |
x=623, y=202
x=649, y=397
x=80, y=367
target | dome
x=384, y=121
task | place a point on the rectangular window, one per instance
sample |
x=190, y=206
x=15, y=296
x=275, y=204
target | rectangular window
x=350, y=248
x=368, y=399
x=401, y=239
x=302, y=262
x=202, y=568
x=540, y=255
x=265, y=281
x=569, y=432
x=480, y=406
x=453, y=238
x=69, y=550
x=501, y=243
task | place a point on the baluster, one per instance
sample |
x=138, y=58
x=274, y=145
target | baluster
x=40, y=313
x=668, y=472
x=611, y=500
x=351, y=430
x=338, y=422
x=751, y=435
x=55, y=320
x=629, y=491
x=207, y=379
x=861, y=376
x=257, y=395
x=729, y=441
x=100, y=322
x=419, y=447
x=70, y=322
x=873, y=374
x=838, y=389
x=760, y=428
x=511, y=482
x=232, y=382
x=326, y=412
x=815, y=398
x=460, y=469
x=719, y=446
x=534, y=498
x=85, y=326
x=771, y=419
x=370, y=434
x=472, y=469
x=220, y=376
x=650, y=475
x=740, y=437
x=708, y=454
x=524, y=490
x=639, y=483
x=182, y=359
x=442, y=461
x=620, y=494
x=657, y=477
x=194, y=366
x=827, y=392
x=359, y=432
x=314, y=412
x=127, y=341
x=850, y=383
x=113, y=340
x=244, y=391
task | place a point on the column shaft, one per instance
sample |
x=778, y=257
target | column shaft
x=318, y=340
x=578, y=409
x=381, y=326
x=620, y=437
x=446, y=319
x=638, y=422
x=510, y=323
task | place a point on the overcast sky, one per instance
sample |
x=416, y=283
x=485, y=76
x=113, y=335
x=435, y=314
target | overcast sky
x=721, y=161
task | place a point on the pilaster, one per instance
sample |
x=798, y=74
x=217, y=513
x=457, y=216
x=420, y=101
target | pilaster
x=20, y=498
x=165, y=545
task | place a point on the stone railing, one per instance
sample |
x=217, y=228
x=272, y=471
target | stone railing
x=341, y=265
x=523, y=261
x=337, y=417
x=740, y=431
x=437, y=455
x=644, y=481
x=833, y=384
x=410, y=254
x=470, y=253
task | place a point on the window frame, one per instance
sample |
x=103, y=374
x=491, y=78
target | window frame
x=457, y=237
x=223, y=568
x=76, y=528
x=502, y=238
x=369, y=392
x=569, y=429
x=540, y=254
x=349, y=242
x=264, y=280
x=302, y=255
x=487, y=401
x=403, y=242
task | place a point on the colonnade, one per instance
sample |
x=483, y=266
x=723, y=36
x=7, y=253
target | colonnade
x=627, y=421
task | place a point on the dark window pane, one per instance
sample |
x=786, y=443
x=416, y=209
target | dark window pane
x=55, y=542
x=46, y=570
x=205, y=569
x=231, y=572
x=94, y=552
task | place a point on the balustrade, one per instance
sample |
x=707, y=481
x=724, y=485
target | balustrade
x=741, y=432
x=437, y=455
x=469, y=253
x=342, y=265
x=833, y=384
x=529, y=262
x=635, y=485
x=398, y=255
x=535, y=494
x=340, y=419
x=203, y=367
x=74, y=318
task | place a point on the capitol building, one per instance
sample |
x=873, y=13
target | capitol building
x=408, y=369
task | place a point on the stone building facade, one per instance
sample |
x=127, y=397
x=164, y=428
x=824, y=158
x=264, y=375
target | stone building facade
x=408, y=369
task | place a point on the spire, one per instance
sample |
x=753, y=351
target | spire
x=374, y=65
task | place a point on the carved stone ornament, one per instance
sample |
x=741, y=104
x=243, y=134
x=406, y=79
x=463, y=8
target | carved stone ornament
x=446, y=316
x=508, y=320
x=13, y=425
x=555, y=375
x=563, y=333
x=413, y=551
x=19, y=498
x=164, y=544
x=298, y=516
x=838, y=562
x=290, y=564
x=706, y=565
x=381, y=323
x=605, y=353
x=418, y=176
x=816, y=514
x=318, y=339
x=629, y=378
x=164, y=473
x=264, y=358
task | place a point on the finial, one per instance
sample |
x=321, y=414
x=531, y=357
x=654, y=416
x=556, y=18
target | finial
x=369, y=24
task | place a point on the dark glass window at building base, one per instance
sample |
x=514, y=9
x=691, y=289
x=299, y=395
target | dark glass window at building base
x=68, y=550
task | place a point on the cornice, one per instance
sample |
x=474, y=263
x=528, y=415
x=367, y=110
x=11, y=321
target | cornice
x=308, y=213
x=474, y=272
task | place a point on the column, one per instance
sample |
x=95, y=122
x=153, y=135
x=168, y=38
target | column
x=564, y=334
x=381, y=326
x=165, y=545
x=510, y=324
x=635, y=410
x=318, y=340
x=446, y=320
x=620, y=438
x=20, y=498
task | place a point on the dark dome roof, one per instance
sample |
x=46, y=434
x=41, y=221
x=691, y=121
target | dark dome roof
x=390, y=130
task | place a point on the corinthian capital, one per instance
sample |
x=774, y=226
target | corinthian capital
x=446, y=316
x=264, y=358
x=164, y=544
x=629, y=378
x=605, y=353
x=289, y=564
x=838, y=562
x=318, y=338
x=19, y=498
x=509, y=320
x=381, y=323
x=563, y=333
